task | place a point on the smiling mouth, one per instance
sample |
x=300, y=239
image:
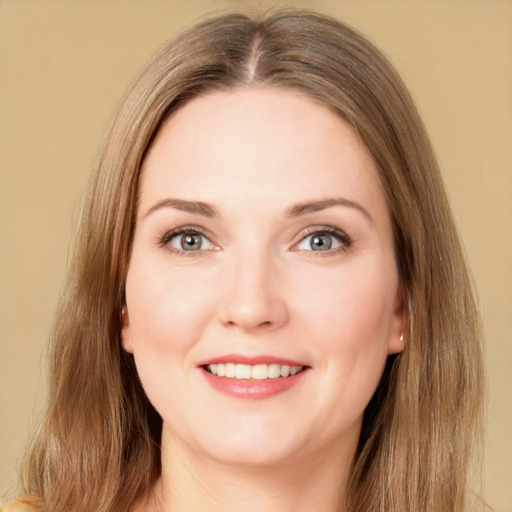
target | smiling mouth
x=253, y=372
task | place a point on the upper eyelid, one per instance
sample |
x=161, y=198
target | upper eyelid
x=187, y=229
x=330, y=230
x=322, y=228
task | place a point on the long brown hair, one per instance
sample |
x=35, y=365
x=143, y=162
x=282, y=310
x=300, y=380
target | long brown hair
x=98, y=446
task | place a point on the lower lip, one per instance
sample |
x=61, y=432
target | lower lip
x=253, y=389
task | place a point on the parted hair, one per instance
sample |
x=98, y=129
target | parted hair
x=98, y=446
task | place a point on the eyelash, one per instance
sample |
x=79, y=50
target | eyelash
x=344, y=240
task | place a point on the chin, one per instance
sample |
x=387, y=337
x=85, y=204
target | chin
x=254, y=456
x=253, y=445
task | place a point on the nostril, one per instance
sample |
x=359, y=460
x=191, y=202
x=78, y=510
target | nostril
x=232, y=323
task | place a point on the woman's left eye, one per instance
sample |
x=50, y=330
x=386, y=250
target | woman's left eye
x=323, y=241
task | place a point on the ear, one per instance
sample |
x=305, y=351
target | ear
x=126, y=337
x=399, y=323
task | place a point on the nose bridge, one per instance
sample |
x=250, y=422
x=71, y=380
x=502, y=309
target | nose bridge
x=252, y=297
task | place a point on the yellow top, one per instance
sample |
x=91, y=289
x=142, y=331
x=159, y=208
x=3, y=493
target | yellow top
x=23, y=503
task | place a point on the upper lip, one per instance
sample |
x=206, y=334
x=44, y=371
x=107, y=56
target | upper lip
x=250, y=360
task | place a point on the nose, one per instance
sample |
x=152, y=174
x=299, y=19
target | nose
x=253, y=297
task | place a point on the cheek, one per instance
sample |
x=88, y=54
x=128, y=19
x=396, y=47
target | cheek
x=349, y=315
x=164, y=321
x=352, y=305
x=165, y=310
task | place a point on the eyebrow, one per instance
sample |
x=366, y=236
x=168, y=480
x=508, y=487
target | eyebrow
x=315, y=206
x=197, y=207
x=296, y=210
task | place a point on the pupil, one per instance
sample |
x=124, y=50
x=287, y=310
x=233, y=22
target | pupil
x=321, y=242
x=189, y=242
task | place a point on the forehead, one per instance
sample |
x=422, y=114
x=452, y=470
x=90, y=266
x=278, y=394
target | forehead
x=258, y=142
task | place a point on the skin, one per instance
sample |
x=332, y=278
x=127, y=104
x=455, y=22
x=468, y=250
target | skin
x=257, y=286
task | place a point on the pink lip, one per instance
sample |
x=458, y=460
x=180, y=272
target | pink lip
x=250, y=360
x=253, y=389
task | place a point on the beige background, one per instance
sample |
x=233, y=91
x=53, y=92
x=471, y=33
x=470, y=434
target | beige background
x=64, y=65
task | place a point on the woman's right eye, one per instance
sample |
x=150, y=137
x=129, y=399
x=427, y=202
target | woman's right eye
x=187, y=241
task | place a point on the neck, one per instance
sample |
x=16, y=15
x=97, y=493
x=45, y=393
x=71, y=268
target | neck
x=189, y=482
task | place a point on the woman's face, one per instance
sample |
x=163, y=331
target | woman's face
x=262, y=294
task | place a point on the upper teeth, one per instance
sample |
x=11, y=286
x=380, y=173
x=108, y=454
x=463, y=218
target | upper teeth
x=256, y=372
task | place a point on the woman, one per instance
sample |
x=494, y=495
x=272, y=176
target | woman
x=268, y=306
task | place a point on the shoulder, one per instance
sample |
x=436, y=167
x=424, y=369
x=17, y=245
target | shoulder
x=23, y=503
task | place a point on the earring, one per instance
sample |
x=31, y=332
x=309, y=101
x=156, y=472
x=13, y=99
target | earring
x=401, y=337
